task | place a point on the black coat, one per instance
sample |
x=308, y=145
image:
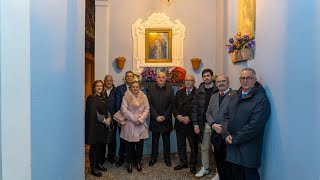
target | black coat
x=95, y=131
x=245, y=120
x=161, y=102
x=183, y=106
x=111, y=101
x=198, y=115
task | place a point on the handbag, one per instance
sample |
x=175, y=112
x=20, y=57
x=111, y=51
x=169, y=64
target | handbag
x=119, y=118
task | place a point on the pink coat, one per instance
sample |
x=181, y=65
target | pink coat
x=135, y=110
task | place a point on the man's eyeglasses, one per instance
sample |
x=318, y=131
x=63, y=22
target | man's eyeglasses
x=222, y=81
x=249, y=78
x=188, y=80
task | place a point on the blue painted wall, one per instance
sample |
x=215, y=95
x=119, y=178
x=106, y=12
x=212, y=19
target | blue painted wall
x=287, y=64
x=57, y=89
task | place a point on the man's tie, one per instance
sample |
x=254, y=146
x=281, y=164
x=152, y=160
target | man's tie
x=188, y=92
x=221, y=94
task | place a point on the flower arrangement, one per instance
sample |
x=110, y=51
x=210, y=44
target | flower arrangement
x=240, y=42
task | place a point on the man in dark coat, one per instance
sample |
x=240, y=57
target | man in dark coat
x=118, y=100
x=109, y=94
x=218, y=104
x=184, y=129
x=243, y=127
x=161, y=99
x=201, y=126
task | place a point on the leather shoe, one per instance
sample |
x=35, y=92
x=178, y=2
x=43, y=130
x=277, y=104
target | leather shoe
x=193, y=170
x=119, y=162
x=95, y=172
x=181, y=166
x=152, y=162
x=129, y=168
x=139, y=167
x=111, y=160
x=168, y=162
x=100, y=167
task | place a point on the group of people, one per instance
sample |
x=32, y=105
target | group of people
x=231, y=122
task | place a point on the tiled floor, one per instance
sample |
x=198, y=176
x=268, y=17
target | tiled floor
x=157, y=172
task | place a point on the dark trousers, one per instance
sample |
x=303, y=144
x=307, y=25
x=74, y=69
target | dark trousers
x=122, y=147
x=237, y=172
x=134, y=151
x=220, y=156
x=182, y=148
x=112, y=146
x=155, y=145
x=96, y=154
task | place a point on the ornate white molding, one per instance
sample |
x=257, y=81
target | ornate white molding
x=101, y=2
x=157, y=20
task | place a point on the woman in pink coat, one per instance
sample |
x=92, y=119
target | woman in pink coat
x=135, y=109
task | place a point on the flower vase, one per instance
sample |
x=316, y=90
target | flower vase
x=242, y=55
x=195, y=63
x=120, y=62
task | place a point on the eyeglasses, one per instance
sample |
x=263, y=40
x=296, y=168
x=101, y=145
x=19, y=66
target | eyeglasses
x=222, y=81
x=188, y=80
x=249, y=78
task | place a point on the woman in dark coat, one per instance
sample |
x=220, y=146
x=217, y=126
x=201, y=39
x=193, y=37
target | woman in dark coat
x=95, y=127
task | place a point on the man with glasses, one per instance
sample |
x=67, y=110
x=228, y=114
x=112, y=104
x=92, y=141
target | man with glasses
x=118, y=100
x=184, y=129
x=243, y=127
x=198, y=116
x=218, y=104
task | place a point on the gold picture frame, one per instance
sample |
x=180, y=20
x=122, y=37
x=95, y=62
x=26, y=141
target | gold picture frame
x=158, y=45
x=246, y=16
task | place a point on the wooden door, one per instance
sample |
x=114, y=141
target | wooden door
x=89, y=79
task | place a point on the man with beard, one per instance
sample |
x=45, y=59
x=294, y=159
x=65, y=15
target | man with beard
x=217, y=106
x=201, y=126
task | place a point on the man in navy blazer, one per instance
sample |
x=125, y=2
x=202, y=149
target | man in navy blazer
x=118, y=100
x=218, y=104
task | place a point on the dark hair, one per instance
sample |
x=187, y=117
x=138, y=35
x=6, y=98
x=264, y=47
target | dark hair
x=129, y=72
x=207, y=70
x=94, y=85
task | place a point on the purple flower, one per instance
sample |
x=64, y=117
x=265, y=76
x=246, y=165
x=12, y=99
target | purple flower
x=246, y=37
x=230, y=48
x=231, y=40
x=239, y=39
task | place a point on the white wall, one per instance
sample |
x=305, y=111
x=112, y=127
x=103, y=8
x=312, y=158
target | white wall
x=57, y=89
x=199, y=19
x=15, y=90
x=287, y=64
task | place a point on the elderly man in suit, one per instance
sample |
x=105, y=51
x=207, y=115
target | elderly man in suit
x=118, y=100
x=184, y=128
x=217, y=106
x=243, y=127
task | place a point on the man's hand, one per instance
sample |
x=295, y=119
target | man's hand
x=179, y=118
x=160, y=118
x=196, y=129
x=217, y=128
x=186, y=120
x=228, y=139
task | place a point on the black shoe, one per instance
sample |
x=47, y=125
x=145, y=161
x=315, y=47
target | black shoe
x=111, y=160
x=119, y=162
x=129, y=168
x=152, y=162
x=181, y=166
x=95, y=172
x=100, y=167
x=168, y=162
x=193, y=170
x=139, y=167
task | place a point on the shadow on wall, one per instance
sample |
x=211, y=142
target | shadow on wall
x=273, y=143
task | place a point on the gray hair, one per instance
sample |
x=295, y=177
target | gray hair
x=249, y=69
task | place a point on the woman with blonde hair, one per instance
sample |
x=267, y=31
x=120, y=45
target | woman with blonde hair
x=135, y=109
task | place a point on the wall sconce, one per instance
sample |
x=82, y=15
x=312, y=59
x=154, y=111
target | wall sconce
x=195, y=63
x=120, y=62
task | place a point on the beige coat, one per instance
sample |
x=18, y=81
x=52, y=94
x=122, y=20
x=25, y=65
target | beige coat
x=135, y=110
